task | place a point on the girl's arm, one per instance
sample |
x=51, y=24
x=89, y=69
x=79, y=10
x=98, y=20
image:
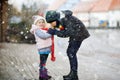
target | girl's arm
x=41, y=34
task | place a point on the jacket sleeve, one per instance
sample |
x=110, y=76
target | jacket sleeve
x=41, y=34
x=66, y=33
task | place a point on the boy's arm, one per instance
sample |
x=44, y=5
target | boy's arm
x=71, y=30
x=41, y=34
x=67, y=32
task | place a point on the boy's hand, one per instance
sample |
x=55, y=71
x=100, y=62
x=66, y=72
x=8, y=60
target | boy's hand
x=52, y=31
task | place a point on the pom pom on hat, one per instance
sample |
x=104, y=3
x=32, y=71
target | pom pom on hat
x=36, y=18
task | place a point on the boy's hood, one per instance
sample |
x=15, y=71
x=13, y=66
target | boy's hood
x=67, y=13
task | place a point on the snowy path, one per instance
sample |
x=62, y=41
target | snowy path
x=99, y=58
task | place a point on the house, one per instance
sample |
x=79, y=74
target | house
x=93, y=13
x=102, y=13
x=82, y=11
x=114, y=12
x=107, y=15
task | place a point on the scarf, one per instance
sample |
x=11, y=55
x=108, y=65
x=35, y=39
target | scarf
x=52, y=47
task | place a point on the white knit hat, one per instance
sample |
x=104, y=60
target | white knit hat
x=37, y=17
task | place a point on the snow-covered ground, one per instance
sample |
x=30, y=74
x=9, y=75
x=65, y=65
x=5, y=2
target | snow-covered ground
x=98, y=58
x=106, y=41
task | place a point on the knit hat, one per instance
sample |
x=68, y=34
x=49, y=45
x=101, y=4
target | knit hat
x=52, y=16
x=37, y=17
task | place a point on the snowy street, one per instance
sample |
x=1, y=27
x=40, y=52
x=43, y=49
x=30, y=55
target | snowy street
x=98, y=58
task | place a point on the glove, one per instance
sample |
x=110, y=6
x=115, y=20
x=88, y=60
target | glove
x=52, y=31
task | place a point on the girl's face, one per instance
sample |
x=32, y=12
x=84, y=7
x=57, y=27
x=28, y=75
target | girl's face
x=41, y=23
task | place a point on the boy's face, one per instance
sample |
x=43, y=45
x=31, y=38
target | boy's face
x=40, y=23
x=53, y=24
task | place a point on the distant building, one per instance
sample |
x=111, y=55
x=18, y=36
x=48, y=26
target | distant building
x=82, y=11
x=106, y=15
x=102, y=13
x=114, y=12
x=94, y=13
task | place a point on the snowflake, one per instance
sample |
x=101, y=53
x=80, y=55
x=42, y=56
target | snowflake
x=21, y=32
x=3, y=22
x=27, y=31
x=26, y=37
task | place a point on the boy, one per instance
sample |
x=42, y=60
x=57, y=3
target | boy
x=75, y=30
